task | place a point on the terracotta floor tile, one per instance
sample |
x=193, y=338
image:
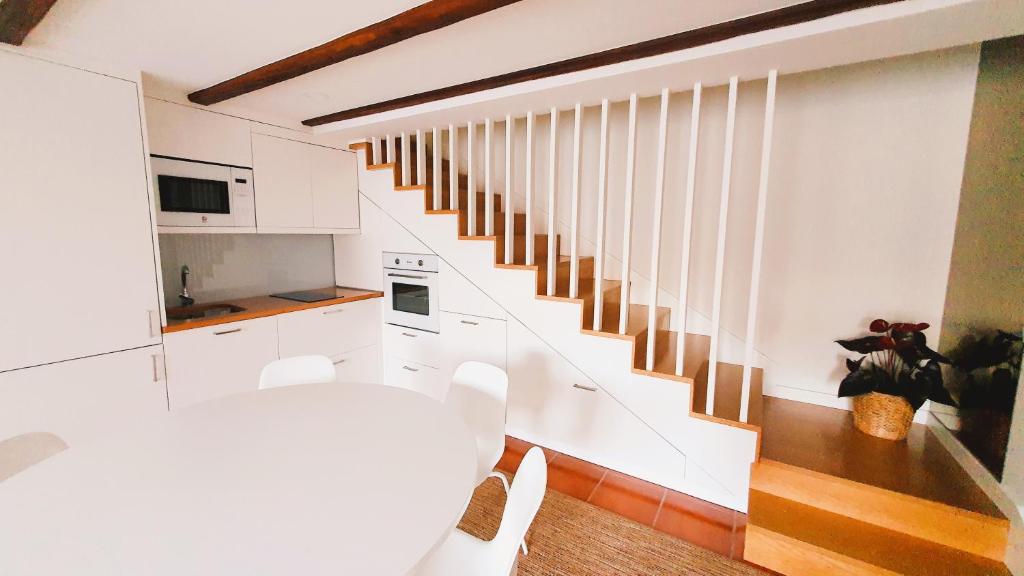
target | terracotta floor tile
x=515, y=449
x=702, y=523
x=573, y=476
x=628, y=496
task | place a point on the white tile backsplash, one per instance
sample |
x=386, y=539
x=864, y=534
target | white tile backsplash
x=228, y=266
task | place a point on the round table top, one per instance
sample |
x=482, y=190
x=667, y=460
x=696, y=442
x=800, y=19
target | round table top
x=316, y=479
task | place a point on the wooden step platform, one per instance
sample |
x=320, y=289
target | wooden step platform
x=826, y=498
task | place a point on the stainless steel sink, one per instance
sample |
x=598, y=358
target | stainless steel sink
x=202, y=311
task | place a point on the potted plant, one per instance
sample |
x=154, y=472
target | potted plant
x=893, y=378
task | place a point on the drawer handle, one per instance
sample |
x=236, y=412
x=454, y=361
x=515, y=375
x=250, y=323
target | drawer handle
x=410, y=369
x=227, y=332
x=471, y=323
x=587, y=388
x=409, y=335
x=338, y=311
x=342, y=361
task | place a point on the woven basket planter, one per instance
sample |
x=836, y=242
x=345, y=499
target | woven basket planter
x=882, y=415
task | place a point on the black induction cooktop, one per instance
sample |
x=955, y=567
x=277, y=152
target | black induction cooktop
x=305, y=296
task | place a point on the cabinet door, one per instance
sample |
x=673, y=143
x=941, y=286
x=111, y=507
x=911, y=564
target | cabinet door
x=414, y=376
x=331, y=330
x=281, y=177
x=458, y=294
x=76, y=236
x=80, y=399
x=335, y=190
x=471, y=338
x=193, y=134
x=207, y=363
x=361, y=366
x=423, y=347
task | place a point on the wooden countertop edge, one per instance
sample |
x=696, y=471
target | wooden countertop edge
x=251, y=314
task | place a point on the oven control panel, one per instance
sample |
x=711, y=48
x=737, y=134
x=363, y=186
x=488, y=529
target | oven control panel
x=404, y=261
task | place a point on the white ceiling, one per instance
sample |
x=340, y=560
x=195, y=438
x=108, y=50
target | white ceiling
x=186, y=45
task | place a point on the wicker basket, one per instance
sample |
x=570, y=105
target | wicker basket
x=882, y=415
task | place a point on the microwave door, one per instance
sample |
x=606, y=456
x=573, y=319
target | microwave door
x=192, y=194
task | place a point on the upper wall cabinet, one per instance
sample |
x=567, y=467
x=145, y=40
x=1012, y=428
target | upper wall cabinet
x=193, y=134
x=75, y=212
x=303, y=188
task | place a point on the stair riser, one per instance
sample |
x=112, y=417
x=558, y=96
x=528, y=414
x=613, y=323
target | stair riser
x=960, y=529
x=796, y=558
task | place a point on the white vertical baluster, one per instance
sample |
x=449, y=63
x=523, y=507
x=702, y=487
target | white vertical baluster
x=421, y=159
x=659, y=194
x=684, y=267
x=552, y=203
x=602, y=198
x=755, y=266
x=375, y=150
x=471, y=177
x=627, y=215
x=510, y=230
x=436, y=167
x=406, y=176
x=453, y=167
x=529, y=188
x=574, y=217
x=390, y=149
x=488, y=177
x=723, y=217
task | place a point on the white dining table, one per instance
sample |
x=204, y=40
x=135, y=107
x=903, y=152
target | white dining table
x=340, y=479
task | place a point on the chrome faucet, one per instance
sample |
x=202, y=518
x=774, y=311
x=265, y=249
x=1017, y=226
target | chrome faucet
x=186, y=300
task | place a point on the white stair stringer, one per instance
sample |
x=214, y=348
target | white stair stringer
x=718, y=456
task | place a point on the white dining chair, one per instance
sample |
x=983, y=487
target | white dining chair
x=297, y=370
x=479, y=394
x=465, y=555
x=26, y=450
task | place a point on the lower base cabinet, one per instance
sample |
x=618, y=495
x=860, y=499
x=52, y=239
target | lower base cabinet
x=360, y=366
x=415, y=376
x=215, y=361
x=81, y=399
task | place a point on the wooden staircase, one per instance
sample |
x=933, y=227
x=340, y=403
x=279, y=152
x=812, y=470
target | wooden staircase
x=729, y=376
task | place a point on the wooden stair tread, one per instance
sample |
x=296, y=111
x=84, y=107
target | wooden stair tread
x=887, y=549
x=825, y=440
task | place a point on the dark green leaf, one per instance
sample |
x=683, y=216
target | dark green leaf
x=857, y=383
x=865, y=345
x=854, y=365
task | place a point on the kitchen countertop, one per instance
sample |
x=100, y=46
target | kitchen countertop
x=262, y=306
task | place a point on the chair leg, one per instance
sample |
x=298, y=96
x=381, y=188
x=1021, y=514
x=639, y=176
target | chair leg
x=504, y=484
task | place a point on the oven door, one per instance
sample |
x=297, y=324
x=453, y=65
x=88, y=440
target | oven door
x=192, y=193
x=412, y=299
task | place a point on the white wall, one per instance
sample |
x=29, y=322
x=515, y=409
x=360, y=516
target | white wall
x=866, y=171
x=238, y=265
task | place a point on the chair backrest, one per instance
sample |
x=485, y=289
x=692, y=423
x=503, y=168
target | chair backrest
x=25, y=450
x=478, y=394
x=297, y=370
x=521, y=506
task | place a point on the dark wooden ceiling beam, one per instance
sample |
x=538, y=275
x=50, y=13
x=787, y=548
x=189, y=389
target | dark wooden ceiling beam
x=19, y=17
x=788, y=16
x=419, y=20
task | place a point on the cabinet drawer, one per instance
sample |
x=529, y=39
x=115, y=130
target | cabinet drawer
x=207, y=363
x=330, y=330
x=360, y=366
x=415, y=345
x=414, y=376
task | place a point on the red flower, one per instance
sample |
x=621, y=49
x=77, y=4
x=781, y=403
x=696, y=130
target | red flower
x=908, y=327
x=886, y=343
x=878, y=326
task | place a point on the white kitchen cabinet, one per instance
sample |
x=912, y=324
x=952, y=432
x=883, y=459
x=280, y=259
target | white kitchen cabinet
x=471, y=338
x=458, y=294
x=303, y=188
x=414, y=376
x=361, y=366
x=281, y=177
x=330, y=330
x=81, y=399
x=76, y=235
x=181, y=131
x=214, y=361
x=414, y=345
x=335, y=188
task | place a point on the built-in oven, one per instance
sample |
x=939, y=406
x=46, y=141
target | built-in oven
x=410, y=291
x=195, y=194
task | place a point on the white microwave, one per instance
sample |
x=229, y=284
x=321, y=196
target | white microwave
x=197, y=194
